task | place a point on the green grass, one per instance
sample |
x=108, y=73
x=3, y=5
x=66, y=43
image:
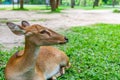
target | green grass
x=42, y=19
x=94, y=53
x=116, y=11
x=6, y=20
x=26, y=7
x=33, y=7
x=44, y=7
x=30, y=7
x=90, y=7
x=4, y=57
x=3, y=20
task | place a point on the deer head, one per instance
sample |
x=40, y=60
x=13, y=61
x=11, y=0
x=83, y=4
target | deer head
x=37, y=34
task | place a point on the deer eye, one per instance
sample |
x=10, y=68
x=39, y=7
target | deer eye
x=43, y=31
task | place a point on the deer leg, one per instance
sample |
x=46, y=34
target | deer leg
x=60, y=73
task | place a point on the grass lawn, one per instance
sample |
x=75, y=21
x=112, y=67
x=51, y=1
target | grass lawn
x=29, y=7
x=44, y=7
x=94, y=53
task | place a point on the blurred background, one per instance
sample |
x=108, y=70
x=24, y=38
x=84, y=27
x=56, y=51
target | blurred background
x=55, y=4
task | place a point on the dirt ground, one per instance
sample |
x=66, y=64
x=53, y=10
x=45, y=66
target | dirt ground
x=55, y=21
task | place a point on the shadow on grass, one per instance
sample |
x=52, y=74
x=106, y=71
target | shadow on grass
x=19, y=9
x=48, y=11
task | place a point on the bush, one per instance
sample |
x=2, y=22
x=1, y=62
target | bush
x=116, y=11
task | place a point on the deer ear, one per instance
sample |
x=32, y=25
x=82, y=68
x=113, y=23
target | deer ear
x=25, y=23
x=16, y=29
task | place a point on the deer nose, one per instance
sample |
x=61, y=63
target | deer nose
x=66, y=39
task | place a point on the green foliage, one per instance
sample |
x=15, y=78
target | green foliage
x=1, y=46
x=26, y=7
x=37, y=1
x=116, y=11
x=4, y=57
x=96, y=8
x=3, y=21
x=94, y=53
x=19, y=9
x=110, y=2
x=37, y=7
x=2, y=9
x=56, y=11
x=32, y=7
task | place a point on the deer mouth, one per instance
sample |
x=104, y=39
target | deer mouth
x=65, y=41
x=62, y=42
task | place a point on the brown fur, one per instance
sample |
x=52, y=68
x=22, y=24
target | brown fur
x=34, y=63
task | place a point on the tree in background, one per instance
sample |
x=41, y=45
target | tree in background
x=21, y=4
x=77, y=2
x=72, y=3
x=105, y=1
x=57, y=3
x=54, y=4
x=84, y=3
x=95, y=3
x=113, y=3
x=0, y=1
x=61, y=2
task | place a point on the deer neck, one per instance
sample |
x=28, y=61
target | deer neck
x=31, y=53
x=29, y=58
x=31, y=50
x=24, y=66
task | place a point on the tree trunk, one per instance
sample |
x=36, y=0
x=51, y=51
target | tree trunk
x=60, y=2
x=13, y=4
x=0, y=1
x=113, y=3
x=21, y=4
x=96, y=3
x=84, y=3
x=53, y=5
x=57, y=3
x=72, y=3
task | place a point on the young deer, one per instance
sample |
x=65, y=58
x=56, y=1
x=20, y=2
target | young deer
x=35, y=62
